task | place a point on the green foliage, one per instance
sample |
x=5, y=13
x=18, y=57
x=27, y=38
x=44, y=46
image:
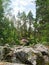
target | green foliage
x=7, y=29
x=42, y=16
x=35, y=30
x=8, y=32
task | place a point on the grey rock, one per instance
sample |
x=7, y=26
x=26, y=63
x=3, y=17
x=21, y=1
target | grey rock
x=27, y=55
x=7, y=63
x=42, y=48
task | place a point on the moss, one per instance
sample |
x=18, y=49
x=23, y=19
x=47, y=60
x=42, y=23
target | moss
x=40, y=61
x=47, y=63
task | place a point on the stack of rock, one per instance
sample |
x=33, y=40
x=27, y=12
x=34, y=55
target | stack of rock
x=25, y=55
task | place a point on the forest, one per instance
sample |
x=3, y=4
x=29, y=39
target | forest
x=24, y=39
x=35, y=30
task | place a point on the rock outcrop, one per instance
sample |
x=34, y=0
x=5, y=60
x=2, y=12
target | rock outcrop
x=25, y=55
x=7, y=63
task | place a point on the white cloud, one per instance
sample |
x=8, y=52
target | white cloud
x=23, y=5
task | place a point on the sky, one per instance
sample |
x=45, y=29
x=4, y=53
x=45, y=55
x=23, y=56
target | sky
x=23, y=5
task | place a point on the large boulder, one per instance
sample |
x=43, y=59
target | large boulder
x=37, y=55
x=42, y=48
x=26, y=55
x=29, y=55
x=44, y=51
